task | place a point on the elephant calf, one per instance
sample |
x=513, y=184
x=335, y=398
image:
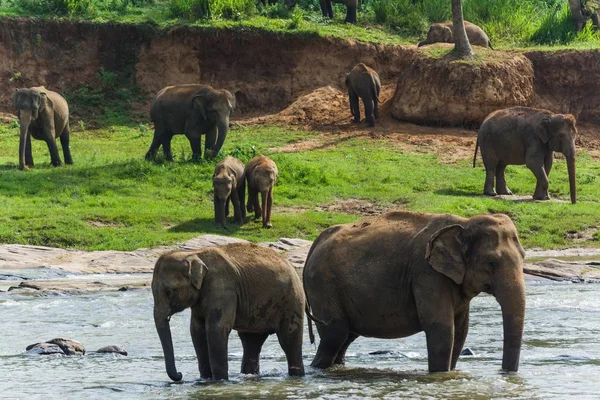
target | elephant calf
x=229, y=183
x=43, y=114
x=530, y=136
x=261, y=173
x=442, y=33
x=363, y=82
x=239, y=286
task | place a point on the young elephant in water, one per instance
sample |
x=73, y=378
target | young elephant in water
x=229, y=184
x=363, y=82
x=239, y=286
x=261, y=173
x=530, y=136
x=442, y=33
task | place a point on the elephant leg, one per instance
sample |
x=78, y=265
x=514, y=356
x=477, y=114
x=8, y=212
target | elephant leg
x=166, y=144
x=237, y=207
x=376, y=108
x=250, y=203
x=28, y=152
x=461, y=328
x=326, y=8
x=198, y=332
x=267, y=221
x=252, y=343
x=354, y=106
x=369, y=112
x=596, y=21
x=290, y=340
x=333, y=337
x=64, y=142
x=350, y=12
x=159, y=132
x=219, y=326
x=536, y=165
x=440, y=340
x=196, y=146
x=53, y=149
x=341, y=356
x=256, y=205
x=227, y=206
x=241, y=191
x=490, y=174
x=548, y=159
x=501, y=187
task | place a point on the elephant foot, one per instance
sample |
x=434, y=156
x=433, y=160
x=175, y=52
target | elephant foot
x=505, y=192
x=541, y=197
x=371, y=124
x=150, y=156
x=491, y=193
x=296, y=371
x=268, y=225
x=239, y=221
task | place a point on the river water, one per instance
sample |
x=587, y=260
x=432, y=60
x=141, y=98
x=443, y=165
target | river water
x=560, y=356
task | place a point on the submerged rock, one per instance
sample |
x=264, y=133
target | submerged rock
x=44, y=349
x=67, y=347
x=113, y=349
x=380, y=352
x=467, y=352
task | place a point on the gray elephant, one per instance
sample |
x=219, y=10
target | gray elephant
x=442, y=33
x=193, y=110
x=43, y=115
x=583, y=11
x=261, y=174
x=229, y=184
x=530, y=136
x=351, y=7
x=363, y=82
x=239, y=286
x=402, y=273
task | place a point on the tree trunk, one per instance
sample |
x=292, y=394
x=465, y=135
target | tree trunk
x=462, y=46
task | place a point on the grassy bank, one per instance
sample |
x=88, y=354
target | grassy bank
x=509, y=23
x=113, y=199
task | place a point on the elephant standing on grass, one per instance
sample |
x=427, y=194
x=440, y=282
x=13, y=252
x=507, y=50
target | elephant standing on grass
x=229, y=184
x=43, y=114
x=363, y=82
x=239, y=286
x=583, y=11
x=403, y=273
x=530, y=136
x=261, y=173
x=442, y=33
x=193, y=110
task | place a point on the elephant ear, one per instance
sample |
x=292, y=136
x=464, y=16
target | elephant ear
x=445, y=252
x=543, y=131
x=199, y=103
x=447, y=34
x=197, y=271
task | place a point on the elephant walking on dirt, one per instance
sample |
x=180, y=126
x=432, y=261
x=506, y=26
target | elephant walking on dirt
x=261, y=173
x=402, y=273
x=229, y=184
x=239, y=286
x=43, y=114
x=530, y=136
x=363, y=82
x=193, y=110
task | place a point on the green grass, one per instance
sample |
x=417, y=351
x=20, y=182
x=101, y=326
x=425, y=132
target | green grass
x=113, y=199
x=509, y=23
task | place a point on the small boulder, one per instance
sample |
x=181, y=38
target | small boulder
x=69, y=346
x=113, y=349
x=467, y=352
x=43, y=349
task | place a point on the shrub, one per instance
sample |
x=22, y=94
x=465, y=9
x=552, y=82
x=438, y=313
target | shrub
x=557, y=27
x=403, y=15
x=189, y=9
x=232, y=9
x=58, y=7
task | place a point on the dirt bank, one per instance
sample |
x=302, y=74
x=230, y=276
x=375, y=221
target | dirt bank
x=266, y=71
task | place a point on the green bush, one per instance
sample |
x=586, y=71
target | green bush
x=232, y=9
x=58, y=7
x=189, y=9
x=557, y=27
x=403, y=15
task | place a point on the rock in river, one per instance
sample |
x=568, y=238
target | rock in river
x=113, y=349
x=44, y=349
x=68, y=347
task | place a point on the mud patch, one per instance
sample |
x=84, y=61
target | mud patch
x=582, y=236
x=98, y=223
x=355, y=206
x=7, y=118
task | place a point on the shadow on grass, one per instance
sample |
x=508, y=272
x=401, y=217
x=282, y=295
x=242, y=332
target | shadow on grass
x=457, y=192
x=206, y=225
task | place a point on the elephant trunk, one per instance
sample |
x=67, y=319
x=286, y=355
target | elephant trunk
x=25, y=118
x=423, y=43
x=220, y=217
x=223, y=127
x=164, y=333
x=572, y=182
x=512, y=302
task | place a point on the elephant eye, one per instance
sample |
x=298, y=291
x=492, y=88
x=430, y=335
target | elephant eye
x=491, y=264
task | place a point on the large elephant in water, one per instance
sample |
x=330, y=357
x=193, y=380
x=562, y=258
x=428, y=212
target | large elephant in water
x=403, y=273
x=530, y=136
x=193, y=110
x=240, y=286
x=43, y=114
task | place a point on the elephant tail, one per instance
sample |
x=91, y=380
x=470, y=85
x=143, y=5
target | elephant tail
x=490, y=45
x=311, y=334
x=476, y=148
